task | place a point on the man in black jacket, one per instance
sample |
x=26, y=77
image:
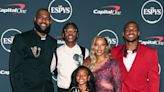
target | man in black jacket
x=31, y=55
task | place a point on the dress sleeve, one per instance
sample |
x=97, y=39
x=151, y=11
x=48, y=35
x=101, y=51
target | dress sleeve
x=16, y=63
x=116, y=76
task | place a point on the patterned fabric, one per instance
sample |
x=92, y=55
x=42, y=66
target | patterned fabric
x=108, y=73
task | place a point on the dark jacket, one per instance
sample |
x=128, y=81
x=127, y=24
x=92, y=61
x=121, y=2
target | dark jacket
x=29, y=63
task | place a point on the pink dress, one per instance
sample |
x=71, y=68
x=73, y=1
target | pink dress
x=110, y=73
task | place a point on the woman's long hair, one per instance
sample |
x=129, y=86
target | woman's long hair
x=93, y=53
x=90, y=83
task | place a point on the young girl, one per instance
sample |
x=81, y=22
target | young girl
x=82, y=80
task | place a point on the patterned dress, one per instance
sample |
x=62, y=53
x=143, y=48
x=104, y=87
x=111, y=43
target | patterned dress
x=109, y=73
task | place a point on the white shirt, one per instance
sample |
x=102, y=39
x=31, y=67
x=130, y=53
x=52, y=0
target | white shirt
x=129, y=59
x=66, y=64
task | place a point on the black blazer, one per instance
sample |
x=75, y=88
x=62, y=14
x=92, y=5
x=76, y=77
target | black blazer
x=29, y=63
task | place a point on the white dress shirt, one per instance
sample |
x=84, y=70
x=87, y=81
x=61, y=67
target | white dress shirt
x=129, y=59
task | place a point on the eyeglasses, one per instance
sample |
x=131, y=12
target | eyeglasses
x=70, y=30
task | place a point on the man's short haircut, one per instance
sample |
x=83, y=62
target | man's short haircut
x=41, y=9
x=132, y=22
x=73, y=24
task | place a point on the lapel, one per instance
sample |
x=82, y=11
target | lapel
x=137, y=59
x=120, y=58
x=135, y=64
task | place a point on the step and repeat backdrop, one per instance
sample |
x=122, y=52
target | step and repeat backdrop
x=93, y=17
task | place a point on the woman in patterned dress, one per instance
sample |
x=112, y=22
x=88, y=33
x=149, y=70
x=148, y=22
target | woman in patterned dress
x=105, y=69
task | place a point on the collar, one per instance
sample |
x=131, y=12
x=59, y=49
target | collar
x=126, y=51
x=42, y=37
x=74, y=47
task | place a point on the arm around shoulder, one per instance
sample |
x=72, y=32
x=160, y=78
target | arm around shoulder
x=87, y=62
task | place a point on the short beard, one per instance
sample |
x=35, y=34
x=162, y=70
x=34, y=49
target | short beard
x=37, y=27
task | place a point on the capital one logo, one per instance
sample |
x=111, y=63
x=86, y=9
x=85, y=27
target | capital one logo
x=110, y=35
x=110, y=10
x=153, y=40
x=152, y=11
x=61, y=10
x=7, y=38
x=16, y=8
x=4, y=72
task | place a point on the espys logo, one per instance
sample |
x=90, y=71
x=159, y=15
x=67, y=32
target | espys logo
x=7, y=38
x=152, y=11
x=153, y=40
x=61, y=10
x=108, y=10
x=110, y=35
x=14, y=8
